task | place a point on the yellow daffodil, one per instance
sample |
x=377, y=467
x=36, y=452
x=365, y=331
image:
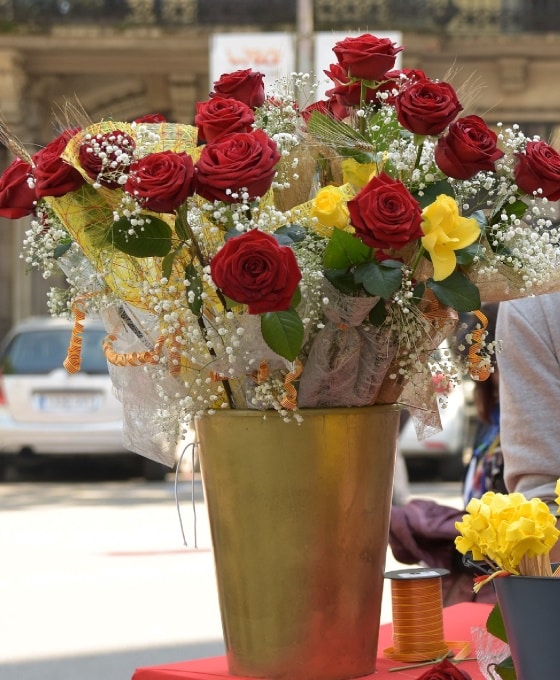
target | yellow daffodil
x=445, y=231
x=505, y=528
x=330, y=210
x=357, y=174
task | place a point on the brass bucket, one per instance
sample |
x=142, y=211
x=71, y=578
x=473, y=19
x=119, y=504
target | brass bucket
x=299, y=518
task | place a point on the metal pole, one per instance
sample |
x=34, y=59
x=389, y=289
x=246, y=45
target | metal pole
x=304, y=29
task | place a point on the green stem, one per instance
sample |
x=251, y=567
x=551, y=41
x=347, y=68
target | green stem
x=362, y=119
x=185, y=232
x=417, y=259
x=419, y=139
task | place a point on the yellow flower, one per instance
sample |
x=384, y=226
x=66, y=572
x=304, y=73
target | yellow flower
x=445, y=231
x=329, y=207
x=557, y=491
x=357, y=174
x=504, y=528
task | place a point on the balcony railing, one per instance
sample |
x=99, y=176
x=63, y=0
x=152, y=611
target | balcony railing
x=453, y=16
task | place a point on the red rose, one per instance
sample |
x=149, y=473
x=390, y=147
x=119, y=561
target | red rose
x=366, y=57
x=426, y=107
x=17, y=198
x=53, y=175
x=151, y=118
x=468, y=148
x=219, y=116
x=385, y=215
x=328, y=107
x=105, y=157
x=255, y=270
x=347, y=92
x=241, y=160
x=396, y=80
x=161, y=181
x=539, y=168
x=245, y=85
x=444, y=670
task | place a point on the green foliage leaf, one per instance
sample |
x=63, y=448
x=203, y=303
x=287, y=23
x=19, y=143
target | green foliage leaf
x=495, y=626
x=61, y=248
x=432, y=191
x=195, y=286
x=505, y=669
x=456, y=291
x=517, y=208
x=480, y=217
x=378, y=314
x=342, y=280
x=167, y=264
x=152, y=239
x=180, y=224
x=345, y=250
x=379, y=279
x=296, y=298
x=289, y=234
x=495, y=623
x=283, y=333
x=466, y=256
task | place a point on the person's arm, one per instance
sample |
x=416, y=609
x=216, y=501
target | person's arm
x=529, y=368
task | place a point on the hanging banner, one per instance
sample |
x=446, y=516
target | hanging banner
x=270, y=53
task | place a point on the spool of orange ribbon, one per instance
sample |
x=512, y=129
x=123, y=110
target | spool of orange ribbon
x=417, y=604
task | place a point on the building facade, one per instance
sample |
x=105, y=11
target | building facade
x=124, y=59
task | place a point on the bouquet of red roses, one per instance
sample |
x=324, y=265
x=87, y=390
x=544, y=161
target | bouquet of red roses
x=277, y=255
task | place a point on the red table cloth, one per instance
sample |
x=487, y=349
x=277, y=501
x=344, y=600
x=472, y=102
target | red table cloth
x=457, y=620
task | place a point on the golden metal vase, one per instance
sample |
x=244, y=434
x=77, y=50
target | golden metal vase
x=299, y=517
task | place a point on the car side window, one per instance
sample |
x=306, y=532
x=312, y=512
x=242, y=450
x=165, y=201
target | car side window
x=40, y=352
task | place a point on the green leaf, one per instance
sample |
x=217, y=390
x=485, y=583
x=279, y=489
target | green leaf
x=167, y=264
x=378, y=314
x=517, y=208
x=345, y=250
x=151, y=239
x=418, y=292
x=505, y=669
x=432, y=191
x=289, y=234
x=195, y=286
x=378, y=279
x=296, y=298
x=456, y=291
x=283, y=333
x=467, y=255
x=480, y=217
x=180, y=224
x=61, y=248
x=495, y=623
x=342, y=280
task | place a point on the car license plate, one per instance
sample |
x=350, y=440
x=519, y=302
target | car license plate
x=67, y=402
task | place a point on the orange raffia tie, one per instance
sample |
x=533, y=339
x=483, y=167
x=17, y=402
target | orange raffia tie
x=418, y=621
x=263, y=373
x=151, y=356
x=477, y=368
x=73, y=361
x=289, y=400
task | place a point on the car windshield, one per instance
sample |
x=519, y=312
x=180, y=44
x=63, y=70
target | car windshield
x=36, y=352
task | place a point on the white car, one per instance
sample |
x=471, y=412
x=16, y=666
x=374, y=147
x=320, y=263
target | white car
x=44, y=410
x=449, y=447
